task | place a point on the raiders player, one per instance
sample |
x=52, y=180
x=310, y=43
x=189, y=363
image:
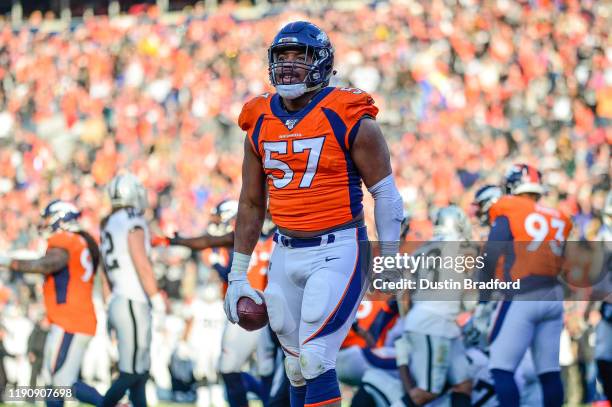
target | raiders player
x=125, y=250
x=430, y=325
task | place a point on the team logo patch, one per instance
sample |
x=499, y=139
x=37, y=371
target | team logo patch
x=322, y=37
x=290, y=123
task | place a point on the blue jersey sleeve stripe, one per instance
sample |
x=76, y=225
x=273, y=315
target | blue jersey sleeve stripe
x=61, y=279
x=255, y=135
x=354, y=179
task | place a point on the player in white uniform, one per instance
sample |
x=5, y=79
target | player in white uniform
x=381, y=388
x=438, y=355
x=125, y=250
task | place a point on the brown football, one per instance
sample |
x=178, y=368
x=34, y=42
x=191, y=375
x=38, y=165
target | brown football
x=250, y=315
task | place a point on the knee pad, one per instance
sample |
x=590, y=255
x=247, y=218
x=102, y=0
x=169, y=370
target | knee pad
x=294, y=373
x=316, y=298
x=312, y=364
x=281, y=320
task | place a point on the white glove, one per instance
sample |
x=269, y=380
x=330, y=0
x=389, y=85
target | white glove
x=5, y=261
x=158, y=303
x=239, y=287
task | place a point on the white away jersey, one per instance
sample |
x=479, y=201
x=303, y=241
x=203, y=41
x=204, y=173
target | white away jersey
x=435, y=309
x=119, y=267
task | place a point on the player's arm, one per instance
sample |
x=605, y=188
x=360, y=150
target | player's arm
x=403, y=349
x=203, y=242
x=54, y=260
x=371, y=157
x=252, y=203
x=251, y=213
x=144, y=268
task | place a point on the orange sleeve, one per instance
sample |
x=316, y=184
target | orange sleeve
x=250, y=120
x=357, y=104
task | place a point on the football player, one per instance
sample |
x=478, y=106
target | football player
x=135, y=295
x=438, y=356
x=238, y=344
x=382, y=388
x=527, y=239
x=310, y=146
x=69, y=266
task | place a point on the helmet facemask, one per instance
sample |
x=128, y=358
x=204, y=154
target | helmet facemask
x=284, y=73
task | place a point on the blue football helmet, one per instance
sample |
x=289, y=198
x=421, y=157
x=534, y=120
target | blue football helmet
x=483, y=201
x=523, y=179
x=319, y=62
x=60, y=215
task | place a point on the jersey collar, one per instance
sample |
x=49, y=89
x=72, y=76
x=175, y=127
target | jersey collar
x=291, y=119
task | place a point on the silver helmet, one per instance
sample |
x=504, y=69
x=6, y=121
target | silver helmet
x=125, y=190
x=452, y=222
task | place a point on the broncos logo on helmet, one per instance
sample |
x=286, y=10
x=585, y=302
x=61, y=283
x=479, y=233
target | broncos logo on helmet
x=318, y=64
x=523, y=179
x=60, y=215
x=484, y=198
x=222, y=217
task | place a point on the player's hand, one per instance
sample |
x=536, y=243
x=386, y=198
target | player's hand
x=5, y=261
x=158, y=303
x=238, y=287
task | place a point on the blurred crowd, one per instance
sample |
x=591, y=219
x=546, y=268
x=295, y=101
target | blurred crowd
x=464, y=87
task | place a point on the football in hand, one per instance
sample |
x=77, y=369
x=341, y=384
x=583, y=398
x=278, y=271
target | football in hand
x=250, y=315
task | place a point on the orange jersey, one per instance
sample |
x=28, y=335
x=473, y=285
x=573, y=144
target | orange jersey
x=377, y=317
x=260, y=260
x=538, y=233
x=68, y=291
x=312, y=181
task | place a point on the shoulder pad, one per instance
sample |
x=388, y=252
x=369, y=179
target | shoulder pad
x=252, y=110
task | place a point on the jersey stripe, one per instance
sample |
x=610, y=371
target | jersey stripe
x=61, y=279
x=354, y=180
x=353, y=134
x=255, y=135
x=62, y=353
x=348, y=301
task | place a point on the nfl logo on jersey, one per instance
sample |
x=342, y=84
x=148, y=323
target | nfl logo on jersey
x=290, y=123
